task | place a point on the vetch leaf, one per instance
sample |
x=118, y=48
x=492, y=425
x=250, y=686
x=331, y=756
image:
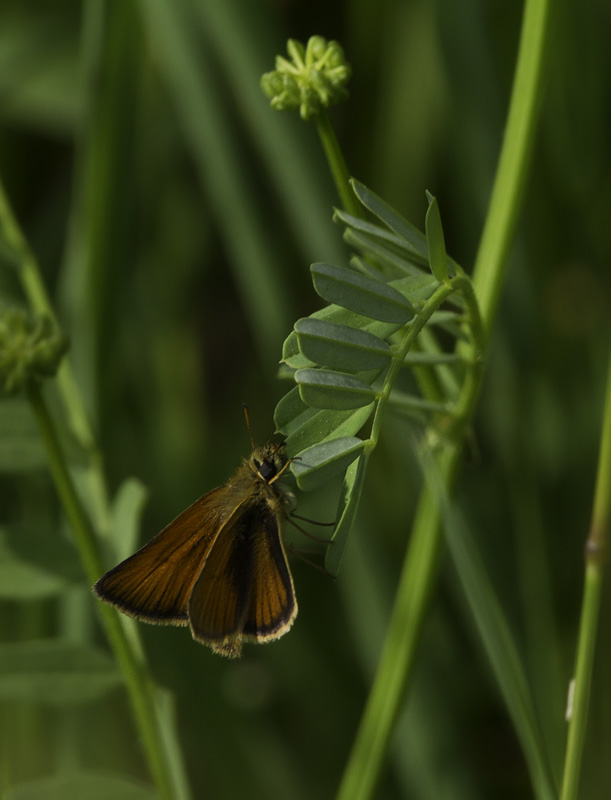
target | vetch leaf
x=384, y=257
x=335, y=390
x=340, y=346
x=418, y=288
x=292, y=355
x=435, y=240
x=55, y=672
x=383, y=237
x=291, y=412
x=353, y=486
x=389, y=217
x=326, y=425
x=361, y=294
x=303, y=426
x=317, y=464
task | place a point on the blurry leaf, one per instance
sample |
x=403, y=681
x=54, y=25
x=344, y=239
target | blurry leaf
x=365, y=296
x=435, y=240
x=39, y=93
x=340, y=346
x=20, y=445
x=126, y=514
x=335, y=390
x=55, y=672
x=35, y=564
x=415, y=357
x=451, y=322
x=22, y=581
x=165, y=708
x=204, y=110
x=409, y=402
x=299, y=180
x=353, y=486
x=496, y=636
x=317, y=464
x=81, y=786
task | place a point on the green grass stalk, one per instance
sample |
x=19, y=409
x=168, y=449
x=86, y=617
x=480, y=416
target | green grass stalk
x=140, y=686
x=420, y=569
x=596, y=556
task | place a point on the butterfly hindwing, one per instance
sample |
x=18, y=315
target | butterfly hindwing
x=272, y=606
x=245, y=590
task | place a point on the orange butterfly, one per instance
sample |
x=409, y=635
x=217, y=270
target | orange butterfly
x=220, y=566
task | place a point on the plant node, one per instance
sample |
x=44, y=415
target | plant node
x=31, y=349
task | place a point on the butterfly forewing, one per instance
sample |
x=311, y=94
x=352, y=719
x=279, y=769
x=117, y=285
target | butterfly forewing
x=155, y=583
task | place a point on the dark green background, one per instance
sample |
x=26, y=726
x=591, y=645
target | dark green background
x=199, y=193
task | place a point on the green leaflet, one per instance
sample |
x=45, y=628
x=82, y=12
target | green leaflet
x=346, y=357
x=334, y=390
x=359, y=293
x=317, y=464
x=340, y=346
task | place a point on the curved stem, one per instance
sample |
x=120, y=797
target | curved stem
x=38, y=300
x=139, y=683
x=421, y=563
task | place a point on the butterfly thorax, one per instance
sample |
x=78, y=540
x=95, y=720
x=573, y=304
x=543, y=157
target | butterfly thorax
x=258, y=479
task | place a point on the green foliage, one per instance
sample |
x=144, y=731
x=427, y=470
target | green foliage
x=172, y=217
x=355, y=363
x=54, y=672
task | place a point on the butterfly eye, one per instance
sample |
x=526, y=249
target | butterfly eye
x=266, y=470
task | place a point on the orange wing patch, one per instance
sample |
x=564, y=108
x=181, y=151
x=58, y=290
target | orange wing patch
x=155, y=583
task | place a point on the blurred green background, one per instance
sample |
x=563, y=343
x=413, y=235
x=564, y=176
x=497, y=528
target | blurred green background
x=174, y=216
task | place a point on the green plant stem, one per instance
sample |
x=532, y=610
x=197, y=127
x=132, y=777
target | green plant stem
x=420, y=568
x=38, y=300
x=337, y=165
x=394, y=673
x=139, y=683
x=514, y=161
x=596, y=556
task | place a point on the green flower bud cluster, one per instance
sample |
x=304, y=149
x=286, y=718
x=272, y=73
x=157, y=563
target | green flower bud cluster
x=312, y=80
x=31, y=349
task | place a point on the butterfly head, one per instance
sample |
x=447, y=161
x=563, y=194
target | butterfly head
x=269, y=462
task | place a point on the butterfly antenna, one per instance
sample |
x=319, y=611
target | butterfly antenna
x=247, y=418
